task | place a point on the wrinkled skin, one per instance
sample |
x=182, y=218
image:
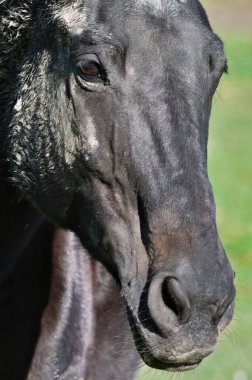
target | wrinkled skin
x=120, y=158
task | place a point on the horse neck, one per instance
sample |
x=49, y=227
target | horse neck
x=25, y=272
x=19, y=224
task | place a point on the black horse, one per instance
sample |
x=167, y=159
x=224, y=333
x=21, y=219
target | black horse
x=104, y=109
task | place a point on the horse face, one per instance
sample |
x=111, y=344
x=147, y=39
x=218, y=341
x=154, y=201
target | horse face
x=109, y=138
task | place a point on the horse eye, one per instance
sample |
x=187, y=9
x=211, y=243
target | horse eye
x=89, y=69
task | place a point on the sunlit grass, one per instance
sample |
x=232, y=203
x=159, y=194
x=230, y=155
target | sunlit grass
x=230, y=170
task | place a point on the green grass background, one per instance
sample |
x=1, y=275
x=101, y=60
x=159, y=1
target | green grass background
x=230, y=170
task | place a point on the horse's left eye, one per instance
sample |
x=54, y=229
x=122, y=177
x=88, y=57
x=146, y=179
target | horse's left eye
x=89, y=69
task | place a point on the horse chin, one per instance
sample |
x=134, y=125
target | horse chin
x=176, y=363
x=168, y=353
x=180, y=367
x=179, y=363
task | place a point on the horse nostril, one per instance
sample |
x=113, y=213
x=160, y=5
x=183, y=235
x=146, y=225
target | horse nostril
x=168, y=304
x=175, y=299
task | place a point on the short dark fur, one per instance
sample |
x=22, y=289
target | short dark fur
x=120, y=159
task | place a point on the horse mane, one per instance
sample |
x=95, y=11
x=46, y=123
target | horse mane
x=15, y=19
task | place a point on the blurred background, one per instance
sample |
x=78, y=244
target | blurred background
x=230, y=171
